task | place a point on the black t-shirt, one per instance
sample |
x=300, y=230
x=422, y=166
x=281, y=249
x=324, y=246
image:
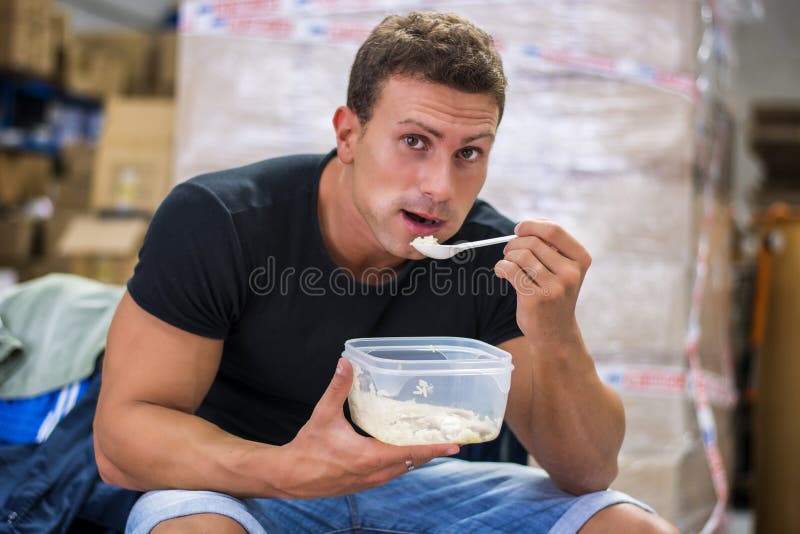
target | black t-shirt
x=238, y=255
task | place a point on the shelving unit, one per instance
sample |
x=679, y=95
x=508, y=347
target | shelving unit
x=38, y=115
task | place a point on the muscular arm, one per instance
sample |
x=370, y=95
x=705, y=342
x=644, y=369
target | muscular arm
x=562, y=413
x=146, y=436
x=570, y=421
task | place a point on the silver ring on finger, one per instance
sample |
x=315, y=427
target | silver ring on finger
x=410, y=466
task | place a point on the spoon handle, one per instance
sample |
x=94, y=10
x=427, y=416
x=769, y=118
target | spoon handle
x=484, y=242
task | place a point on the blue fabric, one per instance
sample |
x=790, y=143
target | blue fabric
x=46, y=487
x=445, y=496
x=32, y=420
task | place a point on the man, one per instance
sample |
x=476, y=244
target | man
x=217, y=378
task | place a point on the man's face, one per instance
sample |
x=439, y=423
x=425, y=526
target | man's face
x=420, y=161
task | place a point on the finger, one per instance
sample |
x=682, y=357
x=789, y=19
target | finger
x=397, y=469
x=388, y=473
x=521, y=282
x=531, y=266
x=394, y=455
x=550, y=257
x=553, y=234
x=422, y=454
x=331, y=402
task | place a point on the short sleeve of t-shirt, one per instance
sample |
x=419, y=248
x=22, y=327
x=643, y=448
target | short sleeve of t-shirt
x=190, y=272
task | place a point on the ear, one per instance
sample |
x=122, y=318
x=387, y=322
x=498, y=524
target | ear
x=347, y=128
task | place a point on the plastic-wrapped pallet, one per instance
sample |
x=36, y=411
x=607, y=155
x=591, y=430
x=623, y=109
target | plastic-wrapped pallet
x=607, y=132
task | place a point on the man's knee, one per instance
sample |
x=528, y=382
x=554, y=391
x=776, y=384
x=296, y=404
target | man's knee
x=200, y=524
x=626, y=517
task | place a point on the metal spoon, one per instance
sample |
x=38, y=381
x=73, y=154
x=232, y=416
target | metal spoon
x=442, y=252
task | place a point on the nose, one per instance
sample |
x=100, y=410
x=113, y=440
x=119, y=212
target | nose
x=437, y=182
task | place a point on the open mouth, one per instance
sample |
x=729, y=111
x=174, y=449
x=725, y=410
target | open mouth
x=422, y=220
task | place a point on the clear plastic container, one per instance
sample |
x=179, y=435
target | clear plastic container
x=421, y=390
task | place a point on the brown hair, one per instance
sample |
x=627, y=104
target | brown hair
x=440, y=48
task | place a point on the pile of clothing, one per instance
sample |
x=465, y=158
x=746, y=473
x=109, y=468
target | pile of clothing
x=52, y=337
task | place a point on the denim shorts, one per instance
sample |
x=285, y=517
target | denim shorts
x=444, y=496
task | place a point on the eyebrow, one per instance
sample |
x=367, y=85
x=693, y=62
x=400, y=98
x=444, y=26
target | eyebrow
x=437, y=134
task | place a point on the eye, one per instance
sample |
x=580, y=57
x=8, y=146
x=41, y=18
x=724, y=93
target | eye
x=414, y=141
x=469, y=153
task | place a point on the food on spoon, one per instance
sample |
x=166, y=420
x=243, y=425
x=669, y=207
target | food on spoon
x=427, y=240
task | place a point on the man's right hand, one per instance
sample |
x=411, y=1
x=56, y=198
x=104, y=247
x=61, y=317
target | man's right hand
x=328, y=458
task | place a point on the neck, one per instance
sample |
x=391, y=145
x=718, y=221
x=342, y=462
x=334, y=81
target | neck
x=345, y=233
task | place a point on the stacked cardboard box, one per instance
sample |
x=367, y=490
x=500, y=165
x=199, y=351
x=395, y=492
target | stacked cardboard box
x=127, y=173
x=616, y=162
x=599, y=135
x=133, y=168
x=91, y=72
x=103, y=249
x=119, y=63
x=16, y=238
x=165, y=63
x=23, y=176
x=122, y=182
x=102, y=199
x=89, y=55
x=74, y=188
x=26, y=41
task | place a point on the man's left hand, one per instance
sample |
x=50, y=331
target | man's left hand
x=546, y=266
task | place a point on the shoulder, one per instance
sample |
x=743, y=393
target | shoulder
x=483, y=222
x=257, y=185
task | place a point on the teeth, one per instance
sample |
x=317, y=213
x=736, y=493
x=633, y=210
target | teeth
x=420, y=219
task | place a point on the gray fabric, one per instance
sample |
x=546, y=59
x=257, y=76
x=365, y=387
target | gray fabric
x=10, y=352
x=54, y=328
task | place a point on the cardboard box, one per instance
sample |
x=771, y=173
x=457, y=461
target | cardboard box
x=77, y=163
x=40, y=267
x=15, y=11
x=16, y=238
x=676, y=484
x=636, y=307
x=27, y=47
x=166, y=51
x=74, y=188
x=25, y=36
x=54, y=227
x=23, y=176
x=90, y=71
x=130, y=52
x=133, y=168
x=103, y=249
x=59, y=27
x=676, y=422
x=673, y=477
x=71, y=196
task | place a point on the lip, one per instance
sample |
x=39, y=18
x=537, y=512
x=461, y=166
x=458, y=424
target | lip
x=419, y=229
